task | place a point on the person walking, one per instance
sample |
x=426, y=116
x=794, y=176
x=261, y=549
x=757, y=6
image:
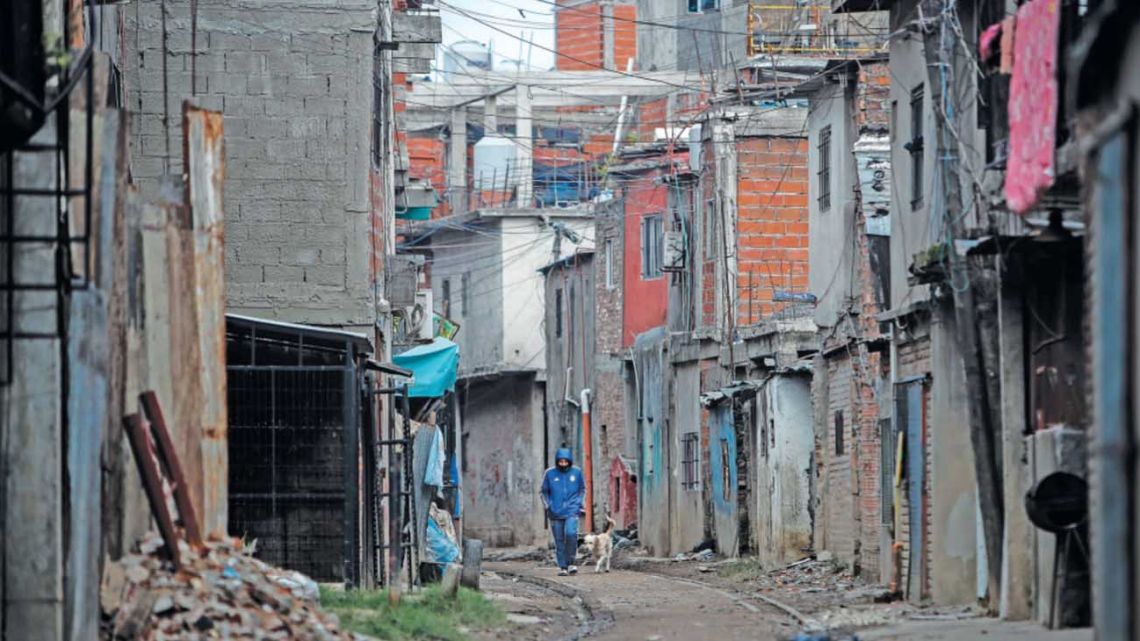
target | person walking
x=563, y=492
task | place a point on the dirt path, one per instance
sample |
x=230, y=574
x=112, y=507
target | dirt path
x=639, y=606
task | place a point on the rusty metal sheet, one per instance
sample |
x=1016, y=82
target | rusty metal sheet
x=1033, y=96
x=205, y=163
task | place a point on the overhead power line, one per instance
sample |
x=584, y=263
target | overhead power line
x=565, y=55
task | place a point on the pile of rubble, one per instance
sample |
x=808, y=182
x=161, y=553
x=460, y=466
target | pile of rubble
x=221, y=592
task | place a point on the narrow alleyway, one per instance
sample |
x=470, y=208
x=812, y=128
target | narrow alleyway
x=645, y=605
x=636, y=605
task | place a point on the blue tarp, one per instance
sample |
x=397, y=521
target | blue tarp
x=434, y=365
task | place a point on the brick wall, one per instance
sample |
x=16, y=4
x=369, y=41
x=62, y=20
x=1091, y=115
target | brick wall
x=294, y=84
x=625, y=35
x=914, y=360
x=873, y=98
x=608, y=377
x=772, y=223
x=578, y=35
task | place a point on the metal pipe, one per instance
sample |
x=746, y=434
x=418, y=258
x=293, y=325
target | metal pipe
x=587, y=459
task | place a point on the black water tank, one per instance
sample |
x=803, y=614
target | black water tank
x=23, y=65
x=1058, y=502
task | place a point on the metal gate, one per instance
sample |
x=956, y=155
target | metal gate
x=292, y=430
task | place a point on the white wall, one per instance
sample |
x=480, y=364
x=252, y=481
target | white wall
x=783, y=525
x=527, y=246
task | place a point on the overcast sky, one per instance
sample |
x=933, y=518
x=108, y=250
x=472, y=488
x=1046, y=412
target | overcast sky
x=535, y=23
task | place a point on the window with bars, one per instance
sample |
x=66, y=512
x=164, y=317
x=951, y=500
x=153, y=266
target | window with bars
x=915, y=147
x=726, y=471
x=610, y=281
x=652, y=245
x=824, y=173
x=699, y=6
x=691, y=461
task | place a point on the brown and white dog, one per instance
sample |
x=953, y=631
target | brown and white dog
x=602, y=546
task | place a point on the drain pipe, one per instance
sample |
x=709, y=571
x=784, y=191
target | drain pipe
x=587, y=459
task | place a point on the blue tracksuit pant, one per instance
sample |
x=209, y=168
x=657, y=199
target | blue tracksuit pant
x=565, y=540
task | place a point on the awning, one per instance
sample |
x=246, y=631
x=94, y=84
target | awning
x=434, y=366
x=739, y=389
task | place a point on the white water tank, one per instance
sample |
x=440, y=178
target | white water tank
x=466, y=56
x=495, y=166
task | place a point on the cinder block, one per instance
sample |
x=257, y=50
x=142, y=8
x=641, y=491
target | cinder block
x=245, y=62
x=325, y=106
x=285, y=149
x=308, y=86
x=284, y=274
x=260, y=211
x=287, y=63
x=335, y=65
x=243, y=149
x=284, y=106
x=312, y=43
x=301, y=256
x=244, y=273
x=254, y=253
x=325, y=275
x=227, y=41
x=241, y=105
x=269, y=41
x=333, y=255
x=230, y=84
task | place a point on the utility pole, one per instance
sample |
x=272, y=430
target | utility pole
x=940, y=49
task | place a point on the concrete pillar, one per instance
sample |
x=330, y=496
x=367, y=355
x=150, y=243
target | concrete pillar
x=1016, y=601
x=607, y=10
x=457, y=162
x=491, y=115
x=524, y=148
x=31, y=420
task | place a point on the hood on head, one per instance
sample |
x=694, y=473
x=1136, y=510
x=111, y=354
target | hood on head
x=563, y=453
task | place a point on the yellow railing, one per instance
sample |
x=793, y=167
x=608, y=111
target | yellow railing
x=807, y=28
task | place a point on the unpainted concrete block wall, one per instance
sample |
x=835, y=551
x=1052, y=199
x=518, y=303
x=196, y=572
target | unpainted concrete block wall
x=293, y=80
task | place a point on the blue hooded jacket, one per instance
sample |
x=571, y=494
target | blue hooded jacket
x=563, y=492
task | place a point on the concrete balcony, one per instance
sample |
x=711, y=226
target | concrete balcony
x=420, y=27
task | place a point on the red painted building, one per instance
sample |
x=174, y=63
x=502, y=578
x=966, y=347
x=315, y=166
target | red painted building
x=645, y=197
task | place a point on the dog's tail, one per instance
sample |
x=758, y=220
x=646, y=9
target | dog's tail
x=610, y=524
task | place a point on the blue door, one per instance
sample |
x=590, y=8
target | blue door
x=915, y=474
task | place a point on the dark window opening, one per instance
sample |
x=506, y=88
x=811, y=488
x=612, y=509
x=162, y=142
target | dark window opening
x=824, y=174
x=697, y=6
x=558, y=313
x=915, y=147
x=839, y=433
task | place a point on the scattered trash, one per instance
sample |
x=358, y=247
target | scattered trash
x=824, y=636
x=704, y=555
x=300, y=585
x=704, y=568
x=707, y=544
x=218, y=593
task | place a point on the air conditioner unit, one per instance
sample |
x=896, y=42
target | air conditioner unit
x=673, y=259
x=425, y=329
x=418, y=323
